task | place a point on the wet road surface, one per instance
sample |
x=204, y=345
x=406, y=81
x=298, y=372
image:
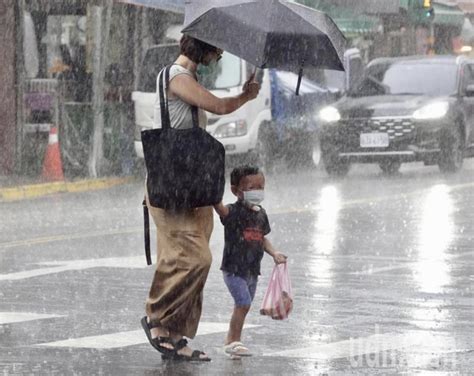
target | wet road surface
x=382, y=271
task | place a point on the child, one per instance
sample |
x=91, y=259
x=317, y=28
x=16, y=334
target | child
x=245, y=226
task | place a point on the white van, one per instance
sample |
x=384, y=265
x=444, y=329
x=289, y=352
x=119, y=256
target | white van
x=238, y=131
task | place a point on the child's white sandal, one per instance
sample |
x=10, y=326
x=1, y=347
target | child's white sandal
x=237, y=349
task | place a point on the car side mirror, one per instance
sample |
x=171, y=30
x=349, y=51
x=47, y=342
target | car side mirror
x=470, y=90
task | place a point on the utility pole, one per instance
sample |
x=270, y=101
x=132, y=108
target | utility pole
x=101, y=26
x=140, y=19
x=20, y=81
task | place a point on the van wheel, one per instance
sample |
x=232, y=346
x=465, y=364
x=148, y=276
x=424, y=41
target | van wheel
x=389, y=167
x=316, y=153
x=452, y=152
x=263, y=156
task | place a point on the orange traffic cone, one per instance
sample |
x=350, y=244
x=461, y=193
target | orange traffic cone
x=52, y=166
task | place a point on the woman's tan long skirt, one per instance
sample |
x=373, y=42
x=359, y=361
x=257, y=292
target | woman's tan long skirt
x=184, y=260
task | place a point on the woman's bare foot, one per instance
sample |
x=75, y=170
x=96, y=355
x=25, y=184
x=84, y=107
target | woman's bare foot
x=161, y=332
x=186, y=350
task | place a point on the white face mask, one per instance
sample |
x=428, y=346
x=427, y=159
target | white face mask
x=254, y=197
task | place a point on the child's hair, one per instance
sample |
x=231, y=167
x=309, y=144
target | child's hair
x=239, y=172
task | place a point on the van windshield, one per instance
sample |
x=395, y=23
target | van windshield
x=224, y=75
x=154, y=61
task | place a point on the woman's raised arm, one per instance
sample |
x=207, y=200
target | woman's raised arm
x=190, y=91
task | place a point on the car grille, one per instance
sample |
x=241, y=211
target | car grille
x=395, y=127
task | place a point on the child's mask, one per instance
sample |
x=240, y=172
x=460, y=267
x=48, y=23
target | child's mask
x=254, y=197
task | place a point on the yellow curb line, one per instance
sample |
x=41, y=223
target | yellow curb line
x=38, y=190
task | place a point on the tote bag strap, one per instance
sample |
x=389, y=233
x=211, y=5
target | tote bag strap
x=146, y=227
x=165, y=115
x=194, y=112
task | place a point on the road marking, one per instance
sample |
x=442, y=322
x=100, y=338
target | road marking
x=366, y=200
x=132, y=230
x=373, y=344
x=15, y=317
x=135, y=262
x=409, y=265
x=65, y=237
x=136, y=337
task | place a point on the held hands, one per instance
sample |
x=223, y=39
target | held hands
x=279, y=258
x=221, y=209
x=251, y=88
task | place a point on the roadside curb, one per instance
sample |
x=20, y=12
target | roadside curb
x=38, y=190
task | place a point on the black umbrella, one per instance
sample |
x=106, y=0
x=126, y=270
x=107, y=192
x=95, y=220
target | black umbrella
x=272, y=34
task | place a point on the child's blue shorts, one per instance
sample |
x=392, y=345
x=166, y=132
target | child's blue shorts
x=242, y=289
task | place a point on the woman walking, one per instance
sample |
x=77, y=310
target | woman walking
x=174, y=304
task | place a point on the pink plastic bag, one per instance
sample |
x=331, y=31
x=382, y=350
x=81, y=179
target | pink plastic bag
x=278, y=301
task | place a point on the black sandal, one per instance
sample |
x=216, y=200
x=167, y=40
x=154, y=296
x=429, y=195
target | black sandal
x=195, y=356
x=157, y=342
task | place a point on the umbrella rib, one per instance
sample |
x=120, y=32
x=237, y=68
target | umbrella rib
x=327, y=33
x=275, y=33
x=267, y=37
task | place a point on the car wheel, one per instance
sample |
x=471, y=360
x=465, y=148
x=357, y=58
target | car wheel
x=334, y=165
x=303, y=152
x=451, y=152
x=390, y=167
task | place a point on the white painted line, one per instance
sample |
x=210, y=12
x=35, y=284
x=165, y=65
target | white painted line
x=64, y=266
x=68, y=237
x=15, y=317
x=136, y=337
x=374, y=344
x=409, y=265
x=107, y=341
x=384, y=269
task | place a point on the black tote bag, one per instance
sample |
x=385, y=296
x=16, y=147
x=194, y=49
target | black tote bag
x=185, y=167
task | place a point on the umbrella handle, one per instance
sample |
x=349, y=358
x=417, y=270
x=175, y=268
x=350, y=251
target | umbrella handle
x=298, y=84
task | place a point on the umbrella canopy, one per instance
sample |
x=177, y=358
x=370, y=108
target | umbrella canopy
x=196, y=8
x=176, y=6
x=272, y=34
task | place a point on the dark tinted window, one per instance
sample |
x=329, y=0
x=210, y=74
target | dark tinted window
x=155, y=60
x=468, y=76
x=408, y=78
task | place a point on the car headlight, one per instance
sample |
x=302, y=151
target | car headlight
x=435, y=110
x=232, y=129
x=329, y=114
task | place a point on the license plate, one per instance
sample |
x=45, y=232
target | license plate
x=374, y=140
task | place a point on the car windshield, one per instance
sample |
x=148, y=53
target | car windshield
x=224, y=75
x=408, y=79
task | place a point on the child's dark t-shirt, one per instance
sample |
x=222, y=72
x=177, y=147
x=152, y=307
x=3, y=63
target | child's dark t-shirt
x=244, y=229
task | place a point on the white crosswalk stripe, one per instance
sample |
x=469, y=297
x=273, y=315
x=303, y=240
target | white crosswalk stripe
x=421, y=344
x=16, y=317
x=373, y=344
x=53, y=267
x=136, y=337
